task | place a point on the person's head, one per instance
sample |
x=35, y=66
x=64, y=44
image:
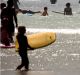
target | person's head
x=45, y=8
x=67, y=4
x=2, y=5
x=21, y=30
x=10, y=3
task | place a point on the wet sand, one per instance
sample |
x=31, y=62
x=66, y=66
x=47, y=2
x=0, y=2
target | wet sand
x=59, y=58
x=27, y=73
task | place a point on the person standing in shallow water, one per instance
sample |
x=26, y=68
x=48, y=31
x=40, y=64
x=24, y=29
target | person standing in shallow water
x=68, y=9
x=23, y=45
x=10, y=14
x=45, y=13
x=4, y=38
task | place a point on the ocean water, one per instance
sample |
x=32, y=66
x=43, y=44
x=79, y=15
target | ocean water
x=39, y=4
x=53, y=21
x=61, y=57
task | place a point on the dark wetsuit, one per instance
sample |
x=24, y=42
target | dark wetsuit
x=23, y=45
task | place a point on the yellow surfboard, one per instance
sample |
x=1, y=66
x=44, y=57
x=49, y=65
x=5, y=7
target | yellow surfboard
x=38, y=40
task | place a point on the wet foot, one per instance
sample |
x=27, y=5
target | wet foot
x=26, y=70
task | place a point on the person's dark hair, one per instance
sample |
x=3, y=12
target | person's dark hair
x=2, y=5
x=45, y=8
x=68, y=4
x=21, y=29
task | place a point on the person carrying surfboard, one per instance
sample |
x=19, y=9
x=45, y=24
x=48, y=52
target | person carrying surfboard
x=23, y=45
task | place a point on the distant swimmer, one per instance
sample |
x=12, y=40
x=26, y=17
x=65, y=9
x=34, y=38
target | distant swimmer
x=53, y=1
x=45, y=13
x=28, y=11
x=68, y=9
x=79, y=1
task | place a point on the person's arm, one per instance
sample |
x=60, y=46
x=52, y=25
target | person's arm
x=29, y=45
x=47, y=14
x=18, y=1
x=64, y=11
x=15, y=18
x=71, y=12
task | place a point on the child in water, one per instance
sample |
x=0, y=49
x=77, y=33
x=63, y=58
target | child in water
x=23, y=45
x=68, y=9
x=45, y=11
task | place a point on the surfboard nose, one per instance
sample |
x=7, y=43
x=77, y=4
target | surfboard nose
x=51, y=36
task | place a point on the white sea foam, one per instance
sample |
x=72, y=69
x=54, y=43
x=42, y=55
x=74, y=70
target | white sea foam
x=64, y=31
